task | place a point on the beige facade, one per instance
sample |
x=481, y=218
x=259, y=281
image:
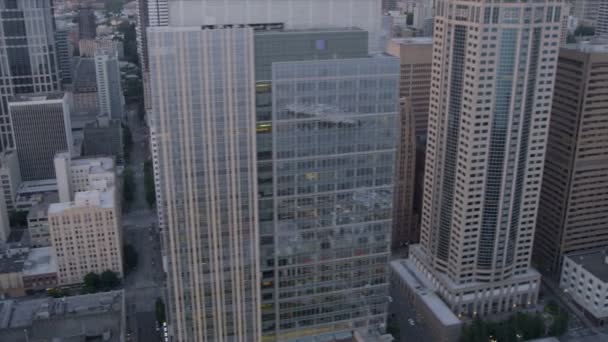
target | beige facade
x=491, y=89
x=573, y=209
x=86, y=235
x=415, y=55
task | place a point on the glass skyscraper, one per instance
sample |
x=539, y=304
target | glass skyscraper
x=28, y=59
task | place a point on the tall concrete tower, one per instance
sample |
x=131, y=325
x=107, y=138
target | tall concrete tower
x=493, y=74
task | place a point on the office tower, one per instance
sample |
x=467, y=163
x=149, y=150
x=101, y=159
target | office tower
x=64, y=55
x=83, y=247
x=586, y=10
x=389, y=5
x=325, y=197
x=206, y=151
x=41, y=124
x=109, y=89
x=5, y=228
x=87, y=26
x=601, y=26
x=364, y=14
x=10, y=177
x=493, y=70
x=404, y=223
x=573, y=207
x=85, y=94
x=415, y=56
x=29, y=55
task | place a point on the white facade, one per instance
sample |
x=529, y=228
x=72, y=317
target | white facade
x=601, y=26
x=109, y=89
x=585, y=279
x=294, y=14
x=86, y=235
x=82, y=174
x=491, y=93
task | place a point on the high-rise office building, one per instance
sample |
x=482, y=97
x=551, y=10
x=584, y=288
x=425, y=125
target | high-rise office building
x=203, y=91
x=586, y=10
x=415, y=56
x=87, y=26
x=573, y=209
x=10, y=177
x=601, y=25
x=64, y=55
x=321, y=197
x=493, y=73
x=27, y=49
x=41, y=124
x=109, y=88
x=404, y=222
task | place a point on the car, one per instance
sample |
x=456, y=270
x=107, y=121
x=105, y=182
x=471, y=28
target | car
x=411, y=321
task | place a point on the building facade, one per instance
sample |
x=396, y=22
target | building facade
x=493, y=72
x=102, y=137
x=207, y=176
x=41, y=125
x=65, y=52
x=601, y=26
x=584, y=278
x=87, y=26
x=10, y=176
x=82, y=174
x=28, y=55
x=86, y=235
x=109, y=88
x=586, y=10
x=573, y=209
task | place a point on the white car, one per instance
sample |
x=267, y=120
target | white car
x=411, y=321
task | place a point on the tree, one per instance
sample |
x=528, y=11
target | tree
x=109, y=279
x=149, y=183
x=560, y=324
x=128, y=187
x=129, y=41
x=159, y=309
x=130, y=257
x=92, y=281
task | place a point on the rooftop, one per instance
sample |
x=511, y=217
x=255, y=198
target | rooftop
x=589, y=47
x=415, y=280
x=40, y=261
x=95, y=164
x=37, y=186
x=35, y=98
x=85, y=79
x=39, y=209
x=83, y=199
x=413, y=40
x=11, y=264
x=593, y=261
x=89, y=317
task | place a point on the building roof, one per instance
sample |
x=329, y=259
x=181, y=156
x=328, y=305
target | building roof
x=85, y=78
x=26, y=99
x=40, y=261
x=593, y=261
x=413, y=40
x=84, y=199
x=12, y=264
x=94, y=164
x=589, y=47
x=37, y=186
x=40, y=209
x=92, y=317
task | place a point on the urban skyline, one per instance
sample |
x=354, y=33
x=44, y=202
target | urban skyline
x=304, y=171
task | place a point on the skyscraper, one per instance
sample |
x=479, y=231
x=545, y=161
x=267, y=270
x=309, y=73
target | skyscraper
x=87, y=27
x=64, y=55
x=42, y=127
x=493, y=71
x=573, y=209
x=28, y=53
x=203, y=88
x=601, y=26
x=109, y=89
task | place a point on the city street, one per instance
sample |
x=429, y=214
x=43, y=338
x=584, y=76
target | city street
x=145, y=283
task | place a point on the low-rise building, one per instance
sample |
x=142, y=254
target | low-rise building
x=584, y=278
x=31, y=193
x=91, y=317
x=37, y=220
x=27, y=269
x=86, y=235
x=82, y=174
x=410, y=288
